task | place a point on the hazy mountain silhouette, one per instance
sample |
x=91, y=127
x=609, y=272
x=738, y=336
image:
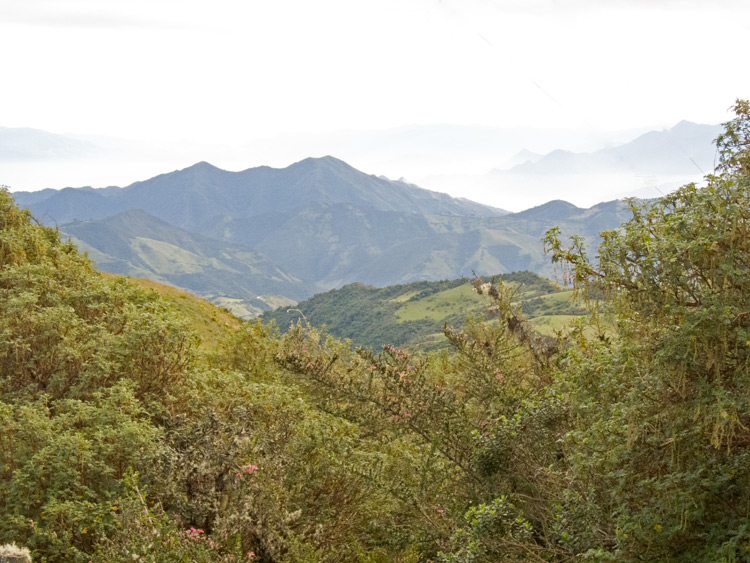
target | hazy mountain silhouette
x=686, y=148
x=202, y=193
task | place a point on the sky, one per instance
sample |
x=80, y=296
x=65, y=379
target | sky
x=240, y=81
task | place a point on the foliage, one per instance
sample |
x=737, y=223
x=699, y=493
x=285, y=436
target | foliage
x=661, y=437
x=213, y=325
x=451, y=408
x=64, y=465
x=68, y=332
x=87, y=364
x=496, y=530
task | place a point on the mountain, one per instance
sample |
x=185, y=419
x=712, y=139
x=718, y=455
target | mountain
x=283, y=234
x=648, y=166
x=201, y=194
x=328, y=246
x=136, y=244
x=412, y=151
x=522, y=157
x=339, y=244
x=686, y=148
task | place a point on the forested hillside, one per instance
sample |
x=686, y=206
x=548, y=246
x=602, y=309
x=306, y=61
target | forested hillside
x=625, y=440
x=413, y=315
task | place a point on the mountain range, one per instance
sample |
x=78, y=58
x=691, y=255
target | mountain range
x=684, y=149
x=265, y=236
x=414, y=152
x=647, y=166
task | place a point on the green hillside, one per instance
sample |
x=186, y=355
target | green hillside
x=413, y=315
x=136, y=244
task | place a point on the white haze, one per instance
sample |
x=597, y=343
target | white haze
x=420, y=89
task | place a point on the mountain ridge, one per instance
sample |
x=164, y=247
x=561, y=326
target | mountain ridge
x=198, y=194
x=680, y=149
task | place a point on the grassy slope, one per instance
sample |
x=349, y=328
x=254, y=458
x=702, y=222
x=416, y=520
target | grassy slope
x=211, y=323
x=439, y=306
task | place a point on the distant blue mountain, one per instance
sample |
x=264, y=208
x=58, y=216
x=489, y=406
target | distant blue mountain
x=686, y=148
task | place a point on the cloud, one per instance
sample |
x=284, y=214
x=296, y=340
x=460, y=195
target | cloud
x=92, y=14
x=549, y=7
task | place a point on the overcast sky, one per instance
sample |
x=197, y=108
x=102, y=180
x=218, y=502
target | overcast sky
x=230, y=71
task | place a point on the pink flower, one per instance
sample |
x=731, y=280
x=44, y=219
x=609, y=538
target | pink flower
x=194, y=534
x=407, y=414
x=373, y=367
x=440, y=510
x=249, y=468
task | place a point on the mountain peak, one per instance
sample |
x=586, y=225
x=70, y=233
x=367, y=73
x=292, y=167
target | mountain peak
x=318, y=161
x=557, y=209
x=684, y=124
x=135, y=214
x=201, y=166
x=556, y=204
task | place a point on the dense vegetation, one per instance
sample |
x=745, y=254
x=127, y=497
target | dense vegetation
x=626, y=440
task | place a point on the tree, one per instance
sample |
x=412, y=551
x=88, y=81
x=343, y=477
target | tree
x=660, y=454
